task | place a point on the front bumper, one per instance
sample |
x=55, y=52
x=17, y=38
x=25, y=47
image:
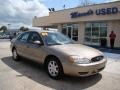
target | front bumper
x=84, y=69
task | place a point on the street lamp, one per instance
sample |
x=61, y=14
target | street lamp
x=9, y=28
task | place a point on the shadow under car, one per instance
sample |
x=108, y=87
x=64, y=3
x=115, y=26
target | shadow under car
x=37, y=73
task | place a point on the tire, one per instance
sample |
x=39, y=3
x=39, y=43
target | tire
x=54, y=68
x=15, y=56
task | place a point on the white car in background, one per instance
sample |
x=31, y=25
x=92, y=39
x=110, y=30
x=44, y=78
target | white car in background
x=4, y=36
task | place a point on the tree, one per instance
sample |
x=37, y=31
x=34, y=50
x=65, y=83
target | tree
x=3, y=29
x=86, y=2
x=23, y=29
x=26, y=29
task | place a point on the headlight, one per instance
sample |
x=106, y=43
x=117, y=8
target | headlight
x=79, y=60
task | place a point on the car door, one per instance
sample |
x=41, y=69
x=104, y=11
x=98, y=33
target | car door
x=21, y=44
x=36, y=52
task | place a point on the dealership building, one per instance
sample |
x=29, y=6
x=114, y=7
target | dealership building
x=87, y=25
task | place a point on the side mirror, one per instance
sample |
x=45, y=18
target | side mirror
x=37, y=42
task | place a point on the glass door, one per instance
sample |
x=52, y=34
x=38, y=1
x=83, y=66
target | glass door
x=71, y=30
x=68, y=31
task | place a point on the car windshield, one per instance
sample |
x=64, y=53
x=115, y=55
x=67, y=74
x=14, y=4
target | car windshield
x=55, y=38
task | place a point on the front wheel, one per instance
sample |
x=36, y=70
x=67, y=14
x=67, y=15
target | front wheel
x=54, y=68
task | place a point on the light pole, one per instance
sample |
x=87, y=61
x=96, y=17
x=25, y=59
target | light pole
x=9, y=28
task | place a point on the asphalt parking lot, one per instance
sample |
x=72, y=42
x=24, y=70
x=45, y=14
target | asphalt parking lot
x=26, y=75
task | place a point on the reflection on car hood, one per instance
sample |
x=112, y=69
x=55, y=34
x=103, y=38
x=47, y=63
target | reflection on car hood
x=76, y=49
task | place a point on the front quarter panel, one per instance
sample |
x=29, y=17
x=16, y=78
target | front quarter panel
x=60, y=55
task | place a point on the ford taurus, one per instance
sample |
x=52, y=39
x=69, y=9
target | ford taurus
x=59, y=54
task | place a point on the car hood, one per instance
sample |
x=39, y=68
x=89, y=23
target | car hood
x=76, y=49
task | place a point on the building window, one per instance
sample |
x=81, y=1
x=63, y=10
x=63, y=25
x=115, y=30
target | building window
x=70, y=30
x=94, y=32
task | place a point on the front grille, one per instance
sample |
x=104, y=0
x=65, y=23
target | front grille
x=96, y=59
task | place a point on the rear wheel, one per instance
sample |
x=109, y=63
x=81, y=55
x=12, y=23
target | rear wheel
x=54, y=68
x=15, y=55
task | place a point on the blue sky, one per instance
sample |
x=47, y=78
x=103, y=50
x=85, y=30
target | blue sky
x=58, y=4
x=21, y=12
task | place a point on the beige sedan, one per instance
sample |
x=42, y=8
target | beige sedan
x=59, y=54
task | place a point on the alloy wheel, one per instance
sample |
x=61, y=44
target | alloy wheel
x=53, y=68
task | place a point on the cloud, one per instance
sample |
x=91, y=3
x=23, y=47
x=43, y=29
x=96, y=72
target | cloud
x=21, y=11
x=112, y=0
